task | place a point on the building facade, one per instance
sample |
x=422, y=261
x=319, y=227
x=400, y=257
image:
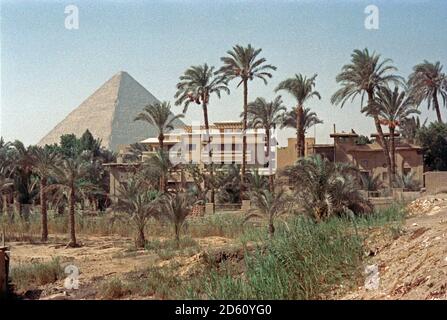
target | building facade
x=369, y=158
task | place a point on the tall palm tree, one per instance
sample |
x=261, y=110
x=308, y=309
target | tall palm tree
x=196, y=85
x=308, y=120
x=243, y=63
x=44, y=162
x=265, y=115
x=160, y=116
x=302, y=89
x=140, y=202
x=427, y=82
x=70, y=174
x=392, y=107
x=364, y=76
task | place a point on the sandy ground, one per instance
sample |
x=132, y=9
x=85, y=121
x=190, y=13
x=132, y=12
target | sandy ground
x=99, y=258
x=413, y=263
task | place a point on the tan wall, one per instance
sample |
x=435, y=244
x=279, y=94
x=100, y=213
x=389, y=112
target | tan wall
x=287, y=155
x=435, y=181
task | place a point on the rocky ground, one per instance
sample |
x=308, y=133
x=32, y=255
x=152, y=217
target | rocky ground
x=412, y=261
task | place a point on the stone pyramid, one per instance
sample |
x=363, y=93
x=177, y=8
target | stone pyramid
x=109, y=113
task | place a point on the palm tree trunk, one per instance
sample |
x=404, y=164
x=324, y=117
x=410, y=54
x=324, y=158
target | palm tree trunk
x=43, y=206
x=382, y=141
x=207, y=128
x=271, y=227
x=161, y=138
x=267, y=155
x=299, y=130
x=177, y=235
x=141, y=240
x=72, y=242
x=436, y=105
x=393, y=152
x=244, y=139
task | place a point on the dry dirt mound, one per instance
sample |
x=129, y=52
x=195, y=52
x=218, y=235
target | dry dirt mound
x=412, y=263
x=428, y=205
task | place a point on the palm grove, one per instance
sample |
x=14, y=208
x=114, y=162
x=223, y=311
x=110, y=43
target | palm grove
x=71, y=174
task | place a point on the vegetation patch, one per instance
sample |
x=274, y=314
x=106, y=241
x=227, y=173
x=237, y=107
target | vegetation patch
x=31, y=275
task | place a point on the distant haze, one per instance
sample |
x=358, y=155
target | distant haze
x=47, y=70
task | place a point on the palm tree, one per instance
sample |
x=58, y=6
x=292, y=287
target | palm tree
x=244, y=64
x=324, y=188
x=308, y=120
x=409, y=128
x=302, y=89
x=70, y=174
x=427, y=82
x=159, y=165
x=265, y=115
x=44, y=162
x=365, y=75
x=268, y=203
x=370, y=183
x=176, y=207
x=140, y=202
x=197, y=84
x=407, y=181
x=21, y=165
x=392, y=107
x=160, y=116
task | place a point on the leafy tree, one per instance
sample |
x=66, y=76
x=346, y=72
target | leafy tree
x=392, y=107
x=428, y=82
x=302, y=89
x=433, y=140
x=71, y=183
x=243, y=64
x=43, y=164
x=362, y=140
x=365, y=75
x=176, y=207
x=270, y=204
x=140, y=202
x=266, y=115
x=324, y=188
x=160, y=116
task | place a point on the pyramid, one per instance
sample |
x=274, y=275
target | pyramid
x=109, y=114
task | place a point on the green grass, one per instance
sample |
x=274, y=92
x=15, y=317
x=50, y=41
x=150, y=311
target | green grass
x=305, y=260
x=31, y=275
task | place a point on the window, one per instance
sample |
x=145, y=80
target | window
x=385, y=176
x=191, y=147
x=364, y=163
x=406, y=171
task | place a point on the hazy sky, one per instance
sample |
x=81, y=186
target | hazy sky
x=47, y=70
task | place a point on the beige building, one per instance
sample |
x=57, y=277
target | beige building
x=189, y=145
x=369, y=158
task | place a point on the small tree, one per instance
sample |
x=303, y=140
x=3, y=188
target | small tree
x=176, y=207
x=139, y=201
x=71, y=183
x=268, y=204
